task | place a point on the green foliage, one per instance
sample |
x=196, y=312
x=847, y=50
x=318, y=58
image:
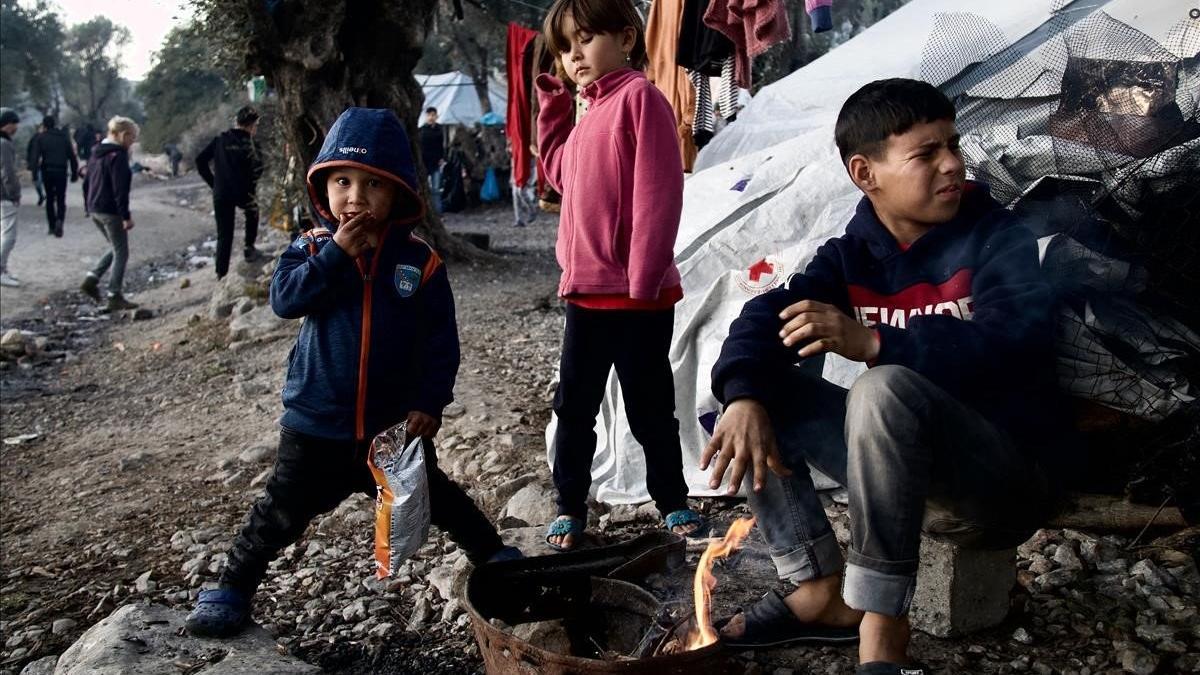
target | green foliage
x=31, y=37
x=90, y=75
x=183, y=85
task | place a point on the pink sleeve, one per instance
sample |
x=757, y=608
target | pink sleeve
x=556, y=116
x=657, y=192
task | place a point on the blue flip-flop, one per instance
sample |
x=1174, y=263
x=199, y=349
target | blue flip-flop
x=681, y=517
x=219, y=612
x=562, y=526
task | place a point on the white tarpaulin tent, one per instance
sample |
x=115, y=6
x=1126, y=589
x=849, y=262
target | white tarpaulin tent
x=770, y=188
x=454, y=95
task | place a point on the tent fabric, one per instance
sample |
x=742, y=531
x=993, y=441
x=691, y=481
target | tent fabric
x=519, y=127
x=770, y=188
x=456, y=99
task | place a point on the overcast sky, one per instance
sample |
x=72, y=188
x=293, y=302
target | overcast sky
x=148, y=22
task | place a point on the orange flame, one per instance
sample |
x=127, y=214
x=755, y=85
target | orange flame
x=702, y=633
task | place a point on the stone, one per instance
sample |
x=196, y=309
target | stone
x=450, y=579
x=355, y=611
x=259, y=322
x=143, y=584
x=1066, y=558
x=150, y=640
x=250, y=389
x=63, y=626
x=13, y=342
x=1135, y=659
x=1054, y=579
x=548, y=635
x=1150, y=574
x=227, y=294
x=42, y=666
x=420, y=614
x=1021, y=635
x=257, y=454
x=455, y=409
x=961, y=590
x=533, y=504
x=242, y=306
x=382, y=630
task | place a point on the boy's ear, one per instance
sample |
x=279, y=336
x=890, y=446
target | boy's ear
x=861, y=172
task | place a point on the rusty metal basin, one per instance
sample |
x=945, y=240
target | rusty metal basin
x=565, y=615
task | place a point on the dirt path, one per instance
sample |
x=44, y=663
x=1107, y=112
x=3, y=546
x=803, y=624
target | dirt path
x=46, y=264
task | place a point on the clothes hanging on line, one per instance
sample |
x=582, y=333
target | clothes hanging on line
x=701, y=48
x=753, y=26
x=662, y=42
x=518, y=125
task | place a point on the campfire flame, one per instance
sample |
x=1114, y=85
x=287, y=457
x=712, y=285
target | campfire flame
x=702, y=633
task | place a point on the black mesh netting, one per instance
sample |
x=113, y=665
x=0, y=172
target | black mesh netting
x=1088, y=127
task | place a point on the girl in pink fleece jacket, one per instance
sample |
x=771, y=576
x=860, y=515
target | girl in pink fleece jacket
x=620, y=176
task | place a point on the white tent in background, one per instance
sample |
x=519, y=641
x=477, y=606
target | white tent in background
x=770, y=188
x=454, y=95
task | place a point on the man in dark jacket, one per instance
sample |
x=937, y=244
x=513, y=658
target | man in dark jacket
x=33, y=170
x=231, y=166
x=108, y=182
x=433, y=154
x=53, y=153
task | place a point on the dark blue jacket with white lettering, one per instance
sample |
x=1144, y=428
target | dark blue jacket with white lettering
x=966, y=306
x=379, y=338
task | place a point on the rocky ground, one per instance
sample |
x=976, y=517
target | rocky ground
x=134, y=444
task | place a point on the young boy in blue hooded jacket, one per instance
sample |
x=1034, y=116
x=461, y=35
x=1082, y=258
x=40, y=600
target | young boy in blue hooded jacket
x=379, y=346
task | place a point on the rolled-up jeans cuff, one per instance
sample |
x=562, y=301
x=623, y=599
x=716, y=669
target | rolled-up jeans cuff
x=818, y=558
x=868, y=590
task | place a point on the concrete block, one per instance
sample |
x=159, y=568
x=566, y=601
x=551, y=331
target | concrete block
x=961, y=590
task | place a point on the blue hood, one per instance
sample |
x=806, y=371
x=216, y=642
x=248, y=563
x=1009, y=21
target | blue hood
x=371, y=139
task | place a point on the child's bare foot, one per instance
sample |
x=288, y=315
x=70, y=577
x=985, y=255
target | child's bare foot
x=564, y=532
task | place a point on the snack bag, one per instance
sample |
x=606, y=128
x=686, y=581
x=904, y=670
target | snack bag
x=402, y=497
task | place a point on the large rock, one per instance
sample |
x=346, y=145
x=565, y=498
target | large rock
x=257, y=323
x=533, y=504
x=149, y=640
x=229, y=291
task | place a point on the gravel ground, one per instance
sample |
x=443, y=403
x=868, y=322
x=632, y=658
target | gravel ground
x=143, y=442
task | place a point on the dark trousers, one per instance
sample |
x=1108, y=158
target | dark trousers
x=637, y=343
x=312, y=476
x=226, y=210
x=55, y=183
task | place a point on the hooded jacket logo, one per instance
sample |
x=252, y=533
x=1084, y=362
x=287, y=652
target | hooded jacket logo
x=352, y=150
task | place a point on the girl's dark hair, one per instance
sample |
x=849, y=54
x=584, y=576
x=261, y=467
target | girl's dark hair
x=885, y=107
x=595, y=16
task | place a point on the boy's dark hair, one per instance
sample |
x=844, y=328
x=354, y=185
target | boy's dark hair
x=246, y=115
x=49, y=121
x=431, y=109
x=595, y=16
x=885, y=107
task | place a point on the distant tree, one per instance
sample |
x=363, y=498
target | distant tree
x=31, y=39
x=182, y=86
x=320, y=56
x=473, y=44
x=90, y=77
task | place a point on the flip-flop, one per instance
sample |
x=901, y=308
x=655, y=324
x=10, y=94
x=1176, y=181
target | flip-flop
x=562, y=526
x=219, y=612
x=675, y=519
x=885, y=668
x=506, y=553
x=769, y=623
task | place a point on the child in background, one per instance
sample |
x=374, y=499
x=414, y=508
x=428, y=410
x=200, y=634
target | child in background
x=379, y=346
x=621, y=179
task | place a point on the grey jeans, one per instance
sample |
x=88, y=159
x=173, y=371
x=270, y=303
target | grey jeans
x=8, y=231
x=113, y=229
x=913, y=458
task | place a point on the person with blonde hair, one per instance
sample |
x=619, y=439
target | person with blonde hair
x=108, y=181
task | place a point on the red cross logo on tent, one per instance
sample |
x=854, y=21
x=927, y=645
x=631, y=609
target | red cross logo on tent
x=760, y=268
x=762, y=276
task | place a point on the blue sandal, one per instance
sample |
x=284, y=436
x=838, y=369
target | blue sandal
x=562, y=526
x=687, y=517
x=219, y=612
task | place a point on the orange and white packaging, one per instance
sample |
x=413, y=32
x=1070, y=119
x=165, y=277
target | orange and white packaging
x=402, y=498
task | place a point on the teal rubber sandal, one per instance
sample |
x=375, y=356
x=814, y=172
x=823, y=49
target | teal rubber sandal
x=562, y=526
x=681, y=517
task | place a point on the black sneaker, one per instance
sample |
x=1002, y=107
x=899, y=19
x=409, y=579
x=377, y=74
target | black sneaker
x=253, y=255
x=118, y=302
x=91, y=287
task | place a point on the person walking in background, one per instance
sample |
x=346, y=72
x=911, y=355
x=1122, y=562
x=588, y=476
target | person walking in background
x=53, y=154
x=33, y=170
x=174, y=156
x=433, y=154
x=86, y=137
x=231, y=166
x=108, y=180
x=10, y=193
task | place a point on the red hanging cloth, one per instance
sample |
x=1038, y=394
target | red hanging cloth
x=517, y=126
